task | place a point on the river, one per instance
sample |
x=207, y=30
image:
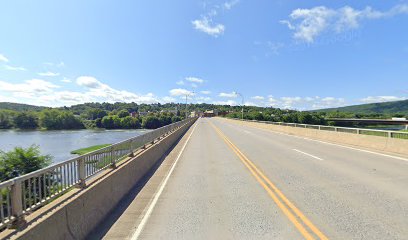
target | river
x=60, y=143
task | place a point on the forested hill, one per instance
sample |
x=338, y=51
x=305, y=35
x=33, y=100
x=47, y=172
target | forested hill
x=398, y=107
x=20, y=107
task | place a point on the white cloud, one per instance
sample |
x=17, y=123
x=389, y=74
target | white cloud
x=13, y=68
x=102, y=92
x=66, y=80
x=194, y=79
x=48, y=74
x=60, y=64
x=3, y=58
x=375, y=99
x=202, y=99
x=307, y=24
x=251, y=104
x=228, y=95
x=304, y=103
x=180, y=92
x=205, y=92
x=229, y=102
x=258, y=97
x=205, y=25
x=168, y=99
x=28, y=89
x=89, y=82
x=230, y=4
x=181, y=82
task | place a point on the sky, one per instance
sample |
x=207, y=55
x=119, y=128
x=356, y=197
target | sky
x=290, y=54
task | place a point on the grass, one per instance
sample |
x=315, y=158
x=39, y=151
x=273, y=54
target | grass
x=86, y=150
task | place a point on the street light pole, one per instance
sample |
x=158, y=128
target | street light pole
x=242, y=104
x=188, y=94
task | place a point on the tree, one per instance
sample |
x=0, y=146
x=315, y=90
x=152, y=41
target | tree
x=165, y=120
x=5, y=122
x=107, y=122
x=117, y=122
x=151, y=122
x=26, y=120
x=130, y=122
x=21, y=161
x=56, y=119
x=123, y=113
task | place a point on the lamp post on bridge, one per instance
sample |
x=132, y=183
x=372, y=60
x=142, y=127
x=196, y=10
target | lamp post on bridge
x=187, y=95
x=242, y=104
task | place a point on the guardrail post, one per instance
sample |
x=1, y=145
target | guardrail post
x=81, y=173
x=17, y=205
x=390, y=134
x=335, y=129
x=113, y=161
x=358, y=131
x=131, y=149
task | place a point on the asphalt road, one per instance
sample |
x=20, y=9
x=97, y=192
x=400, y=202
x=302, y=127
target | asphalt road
x=233, y=181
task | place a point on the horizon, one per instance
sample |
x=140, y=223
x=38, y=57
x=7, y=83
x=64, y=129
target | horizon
x=303, y=56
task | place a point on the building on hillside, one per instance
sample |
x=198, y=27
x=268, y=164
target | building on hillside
x=196, y=114
x=211, y=113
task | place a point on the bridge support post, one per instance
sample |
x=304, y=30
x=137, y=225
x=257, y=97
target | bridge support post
x=17, y=206
x=406, y=127
x=113, y=161
x=81, y=173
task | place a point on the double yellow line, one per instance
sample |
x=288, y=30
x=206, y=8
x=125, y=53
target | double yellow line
x=301, y=222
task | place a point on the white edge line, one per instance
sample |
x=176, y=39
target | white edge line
x=307, y=154
x=153, y=203
x=343, y=146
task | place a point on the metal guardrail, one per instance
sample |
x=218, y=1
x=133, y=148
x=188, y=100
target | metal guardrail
x=22, y=195
x=362, y=131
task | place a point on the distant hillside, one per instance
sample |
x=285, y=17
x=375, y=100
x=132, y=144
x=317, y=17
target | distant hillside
x=397, y=107
x=20, y=107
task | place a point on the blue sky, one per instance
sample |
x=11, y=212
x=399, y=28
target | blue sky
x=290, y=54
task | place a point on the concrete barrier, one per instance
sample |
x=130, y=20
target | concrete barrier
x=392, y=145
x=78, y=216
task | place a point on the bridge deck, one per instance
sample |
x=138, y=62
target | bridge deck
x=233, y=181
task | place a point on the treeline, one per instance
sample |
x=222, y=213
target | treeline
x=50, y=119
x=55, y=119
x=278, y=115
x=306, y=117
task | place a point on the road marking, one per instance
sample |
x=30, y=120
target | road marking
x=287, y=207
x=334, y=144
x=163, y=184
x=307, y=154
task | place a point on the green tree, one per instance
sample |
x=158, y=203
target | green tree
x=26, y=120
x=56, y=119
x=165, y=120
x=21, y=161
x=107, y=122
x=117, y=122
x=175, y=119
x=123, y=113
x=130, y=122
x=5, y=121
x=151, y=122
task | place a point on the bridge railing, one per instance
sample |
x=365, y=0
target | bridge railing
x=362, y=131
x=22, y=195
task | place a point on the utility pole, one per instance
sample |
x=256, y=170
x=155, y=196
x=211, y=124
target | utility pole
x=242, y=104
x=186, y=106
x=188, y=94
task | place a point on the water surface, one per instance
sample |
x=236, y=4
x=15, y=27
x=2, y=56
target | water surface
x=60, y=143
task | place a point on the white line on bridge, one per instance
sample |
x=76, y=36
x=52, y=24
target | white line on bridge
x=153, y=203
x=307, y=154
